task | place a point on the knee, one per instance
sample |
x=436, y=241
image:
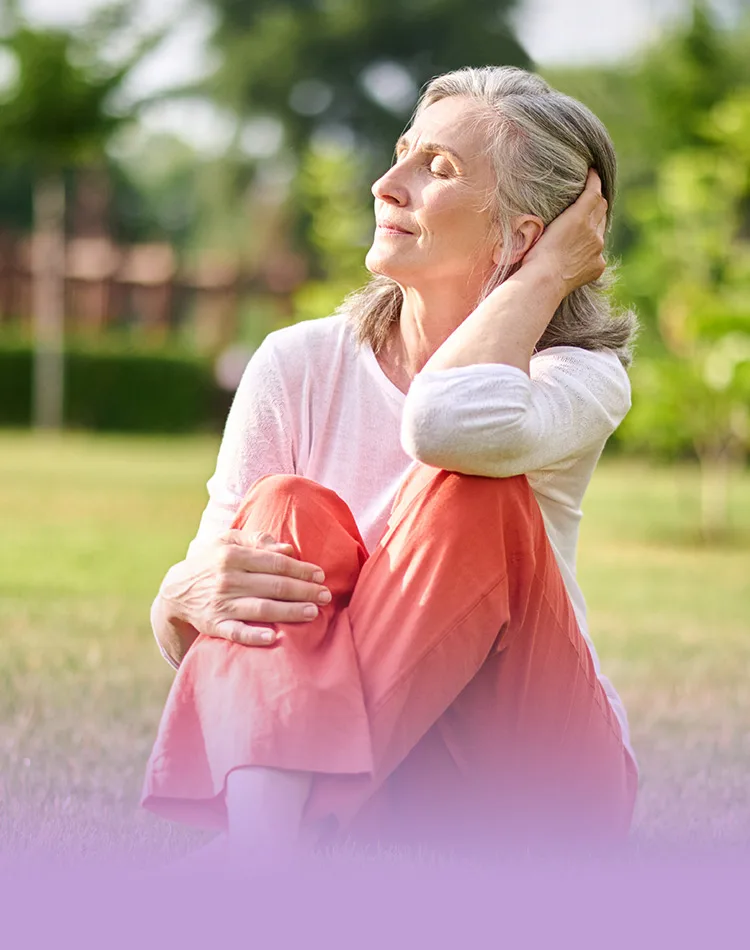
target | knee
x=284, y=486
x=481, y=488
x=468, y=506
x=292, y=491
x=473, y=491
x=294, y=495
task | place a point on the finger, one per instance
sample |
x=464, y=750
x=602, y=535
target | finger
x=259, y=539
x=244, y=557
x=593, y=182
x=273, y=587
x=259, y=636
x=271, y=544
x=599, y=216
x=246, y=634
x=593, y=203
x=259, y=561
x=259, y=610
x=254, y=539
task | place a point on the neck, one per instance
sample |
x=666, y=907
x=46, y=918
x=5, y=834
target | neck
x=427, y=320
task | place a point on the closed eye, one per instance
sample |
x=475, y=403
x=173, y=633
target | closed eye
x=440, y=167
x=435, y=161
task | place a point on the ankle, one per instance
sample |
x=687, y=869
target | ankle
x=264, y=812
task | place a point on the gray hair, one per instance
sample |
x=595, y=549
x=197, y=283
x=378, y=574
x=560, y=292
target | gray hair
x=542, y=144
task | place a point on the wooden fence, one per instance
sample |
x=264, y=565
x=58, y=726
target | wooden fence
x=145, y=285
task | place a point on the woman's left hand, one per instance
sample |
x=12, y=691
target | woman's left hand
x=571, y=246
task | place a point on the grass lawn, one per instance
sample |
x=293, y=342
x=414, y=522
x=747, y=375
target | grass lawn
x=89, y=526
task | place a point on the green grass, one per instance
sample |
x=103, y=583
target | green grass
x=89, y=525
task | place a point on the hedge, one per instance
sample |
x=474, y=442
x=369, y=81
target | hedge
x=119, y=390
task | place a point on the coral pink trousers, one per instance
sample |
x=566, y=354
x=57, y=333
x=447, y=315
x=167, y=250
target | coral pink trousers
x=445, y=696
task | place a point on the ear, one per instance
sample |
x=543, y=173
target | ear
x=527, y=229
x=497, y=253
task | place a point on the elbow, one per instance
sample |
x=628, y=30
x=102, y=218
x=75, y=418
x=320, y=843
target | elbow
x=424, y=434
x=428, y=454
x=467, y=442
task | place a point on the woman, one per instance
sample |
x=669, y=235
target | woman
x=426, y=451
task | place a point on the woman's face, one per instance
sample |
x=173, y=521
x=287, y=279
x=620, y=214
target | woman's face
x=431, y=206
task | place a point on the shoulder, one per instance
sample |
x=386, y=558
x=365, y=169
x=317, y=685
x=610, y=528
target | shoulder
x=295, y=361
x=309, y=339
x=596, y=373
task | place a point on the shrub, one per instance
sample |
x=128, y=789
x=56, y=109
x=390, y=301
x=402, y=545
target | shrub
x=118, y=390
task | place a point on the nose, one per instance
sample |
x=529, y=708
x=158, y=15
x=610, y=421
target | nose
x=391, y=188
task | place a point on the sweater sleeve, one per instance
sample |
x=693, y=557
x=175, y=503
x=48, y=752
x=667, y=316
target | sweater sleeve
x=494, y=420
x=260, y=438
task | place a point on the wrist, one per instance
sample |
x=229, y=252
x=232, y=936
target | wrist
x=545, y=277
x=174, y=636
x=172, y=605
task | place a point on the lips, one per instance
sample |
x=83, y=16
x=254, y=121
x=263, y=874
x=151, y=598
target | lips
x=392, y=226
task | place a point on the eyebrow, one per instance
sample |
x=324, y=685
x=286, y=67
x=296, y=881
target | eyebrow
x=403, y=142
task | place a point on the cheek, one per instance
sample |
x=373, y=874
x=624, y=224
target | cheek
x=457, y=228
x=455, y=208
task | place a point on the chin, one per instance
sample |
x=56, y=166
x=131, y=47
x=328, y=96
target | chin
x=384, y=265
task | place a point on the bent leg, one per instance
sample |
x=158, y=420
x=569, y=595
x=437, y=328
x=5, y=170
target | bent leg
x=296, y=705
x=484, y=705
x=462, y=579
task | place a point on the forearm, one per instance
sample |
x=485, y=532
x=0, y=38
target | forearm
x=507, y=325
x=173, y=631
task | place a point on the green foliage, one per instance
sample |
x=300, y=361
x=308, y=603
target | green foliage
x=684, y=76
x=62, y=109
x=339, y=227
x=118, y=391
x=680, y=120
x=350, y=63
x=16, y=183
x=655, y=107
x=694, y=259
x=71, y=123
x=685, y=406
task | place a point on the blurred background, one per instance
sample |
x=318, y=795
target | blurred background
x=180, y=177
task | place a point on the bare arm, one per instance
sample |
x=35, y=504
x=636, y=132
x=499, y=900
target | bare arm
x=173, y=633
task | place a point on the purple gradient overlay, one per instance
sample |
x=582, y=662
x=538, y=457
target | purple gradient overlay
x=644, y=901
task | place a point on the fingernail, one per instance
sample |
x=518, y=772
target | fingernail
x=318, y=577
x=268, y=636
x=324, y=597
x=310, y=612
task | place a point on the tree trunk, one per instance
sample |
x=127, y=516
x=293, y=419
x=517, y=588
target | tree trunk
x=48, y=268
x=715, y=468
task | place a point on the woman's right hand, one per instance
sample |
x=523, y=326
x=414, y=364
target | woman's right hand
x=571, y=247
x=241, y=583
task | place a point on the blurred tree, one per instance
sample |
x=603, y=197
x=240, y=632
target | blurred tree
x=685, y=75
x=653, y=106
x=352, y=66
x=679, y=115
x=16, y=183
x=340, y=227
x=694, y=256
x=60, y=111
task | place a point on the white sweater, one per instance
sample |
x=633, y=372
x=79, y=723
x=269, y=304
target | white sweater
x=312, y=403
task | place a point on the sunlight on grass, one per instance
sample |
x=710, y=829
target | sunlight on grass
x=89, y=526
